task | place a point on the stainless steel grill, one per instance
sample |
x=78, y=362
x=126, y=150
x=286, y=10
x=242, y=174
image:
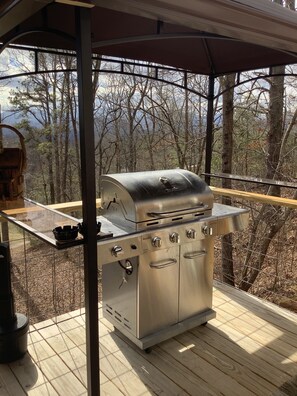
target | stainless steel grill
x=157, y=276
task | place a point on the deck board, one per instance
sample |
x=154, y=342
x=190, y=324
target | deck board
x=248, y=349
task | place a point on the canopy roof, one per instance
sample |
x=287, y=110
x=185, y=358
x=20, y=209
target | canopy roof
x=207, y=37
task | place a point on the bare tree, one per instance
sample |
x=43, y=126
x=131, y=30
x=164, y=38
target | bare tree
x=270, y=219
x=47, y=105
x=227, y=85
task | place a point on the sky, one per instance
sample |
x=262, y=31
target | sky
x=14, y=61
x=4, y=86
x=11, y=62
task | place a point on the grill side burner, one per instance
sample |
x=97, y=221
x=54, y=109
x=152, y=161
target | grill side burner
x=157, y=278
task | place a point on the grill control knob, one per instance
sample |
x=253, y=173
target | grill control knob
x=116, y=250
x=191, y=233
x=156, y=241
x=206, y=230
x=174, y=237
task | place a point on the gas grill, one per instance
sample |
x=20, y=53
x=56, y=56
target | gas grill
x=155, y=246
x=157, y=272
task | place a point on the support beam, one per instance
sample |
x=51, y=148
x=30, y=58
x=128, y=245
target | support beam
x=87, y=147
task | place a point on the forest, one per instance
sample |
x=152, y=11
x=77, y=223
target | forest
x=142, y=124
x=145, y=124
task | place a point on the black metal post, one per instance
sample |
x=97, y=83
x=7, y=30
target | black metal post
x=209, y=127
x=87, y=147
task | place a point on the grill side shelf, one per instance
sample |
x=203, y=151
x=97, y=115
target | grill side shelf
x=39, y=221
x=230, y=218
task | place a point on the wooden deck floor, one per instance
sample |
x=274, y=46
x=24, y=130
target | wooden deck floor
x=249, y=349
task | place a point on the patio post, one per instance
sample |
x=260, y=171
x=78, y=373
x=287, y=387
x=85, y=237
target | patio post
x=87, y=152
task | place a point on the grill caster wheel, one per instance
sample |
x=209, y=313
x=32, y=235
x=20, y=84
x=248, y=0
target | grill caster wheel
x=204, y=324
x=148, y=350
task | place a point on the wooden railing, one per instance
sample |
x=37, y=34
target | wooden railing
x=249, y=196
x=68, y=207
x=217, y=191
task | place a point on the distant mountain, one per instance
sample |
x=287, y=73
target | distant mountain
x=8, y=117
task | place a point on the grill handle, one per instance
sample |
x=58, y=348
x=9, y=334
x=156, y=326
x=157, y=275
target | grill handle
x=163, y=263
x=199, y=208
x=192, y=255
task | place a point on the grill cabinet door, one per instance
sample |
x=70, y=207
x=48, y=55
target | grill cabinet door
x=158, y=290
x=119, y=297
x=196, y=276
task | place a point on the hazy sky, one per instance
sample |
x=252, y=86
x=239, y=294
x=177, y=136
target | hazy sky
x=11, y=62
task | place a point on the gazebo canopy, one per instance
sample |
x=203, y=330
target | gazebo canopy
x=207, y=37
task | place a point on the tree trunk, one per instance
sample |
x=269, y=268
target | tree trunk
x=275, y=134
x=227, y=83
x=270, y=218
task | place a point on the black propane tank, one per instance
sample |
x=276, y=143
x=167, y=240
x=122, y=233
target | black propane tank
x=13, y=326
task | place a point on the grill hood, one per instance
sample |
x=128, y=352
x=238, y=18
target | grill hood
x=139, y=200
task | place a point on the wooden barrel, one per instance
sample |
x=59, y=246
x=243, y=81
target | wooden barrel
x=12, y=167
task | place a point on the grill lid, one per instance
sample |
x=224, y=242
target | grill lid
x=147, y=197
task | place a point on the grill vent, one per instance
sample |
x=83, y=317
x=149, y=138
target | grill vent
x=153, y=223
x=118, y=316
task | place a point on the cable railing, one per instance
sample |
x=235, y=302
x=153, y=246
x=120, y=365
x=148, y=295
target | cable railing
x=46, y=282
x=261, y=260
